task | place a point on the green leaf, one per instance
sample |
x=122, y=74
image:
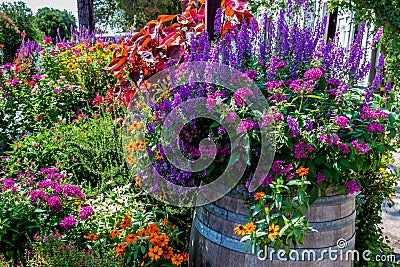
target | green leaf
x=314, y=194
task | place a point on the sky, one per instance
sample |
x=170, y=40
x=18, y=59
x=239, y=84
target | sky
x=69, y=5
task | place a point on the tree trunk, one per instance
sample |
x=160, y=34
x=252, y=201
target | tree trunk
x=86, y=14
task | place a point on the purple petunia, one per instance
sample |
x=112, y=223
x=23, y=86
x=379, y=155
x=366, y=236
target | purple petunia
x=68, y=223
x=352, y=187
x=85, y=213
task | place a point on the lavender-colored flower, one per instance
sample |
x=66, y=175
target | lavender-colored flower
x=352, y=187
x=85, y=213
x=313, y=74
x=294, y=126
x=55, y=204
x=68, y=222
x=377, y=37
x=251, y=74
x=342, y=121
x=300, y=149
x=245, y=125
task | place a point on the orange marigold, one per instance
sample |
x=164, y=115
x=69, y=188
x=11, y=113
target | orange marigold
x=115, y=233
x=164, y=222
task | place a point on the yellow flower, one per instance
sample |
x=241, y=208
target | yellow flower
x=239, y=230
x=135, y=126
x=130, y=160
x=381, y=169
x=250, y=227
x=273, y=231
x=266, y=209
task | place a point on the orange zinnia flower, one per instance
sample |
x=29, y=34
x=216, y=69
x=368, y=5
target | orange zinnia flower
x=155, y=253
x=153, y=229
x=259, y=195
x=126, y=222
x=119, y=250
x=163, y=240
x=132, y=238
x=301, y=171
x=130, y=146
x=273, y=231
x=91, y=236
x=250, y=227
x=167, y=253
x=177, y=259
x=114, y=233
x=164, y=222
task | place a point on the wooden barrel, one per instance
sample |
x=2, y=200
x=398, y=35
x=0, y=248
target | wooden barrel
x=213, y=242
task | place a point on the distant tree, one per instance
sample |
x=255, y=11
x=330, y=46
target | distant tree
x=16, y=18
x=54, y=22
x=123, y=14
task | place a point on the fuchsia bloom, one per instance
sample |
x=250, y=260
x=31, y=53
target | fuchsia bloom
x=375, y=127
x=313, y=74
x=47, y=40
x=329, y=139
x=241, y=96
x=85, y=213
x=55, y=204
x=212, y=99
x=363, y=147
x=352, y=187
x=342, y=121
x=245, y=125
x=68, y=223
x=231, y=117
x=300, y=149
x=321, y=177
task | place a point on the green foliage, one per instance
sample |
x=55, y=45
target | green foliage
x=125, y=14
x=92, y=150
x=382, y=14
x=55, y=23
x=15, y=18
